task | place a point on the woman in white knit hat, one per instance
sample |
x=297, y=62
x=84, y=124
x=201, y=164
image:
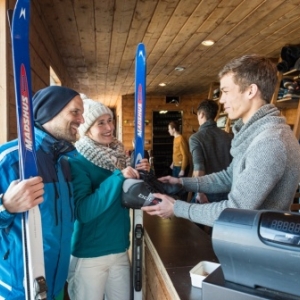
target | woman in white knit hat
x=99, y=263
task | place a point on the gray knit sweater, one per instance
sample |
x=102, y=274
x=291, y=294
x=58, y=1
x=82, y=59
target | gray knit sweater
x=263, y=174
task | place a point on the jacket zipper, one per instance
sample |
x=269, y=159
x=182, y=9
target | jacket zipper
x=70, y=199
x=55, y=203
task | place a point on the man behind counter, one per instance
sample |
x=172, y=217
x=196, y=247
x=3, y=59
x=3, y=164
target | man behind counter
x=264, y=172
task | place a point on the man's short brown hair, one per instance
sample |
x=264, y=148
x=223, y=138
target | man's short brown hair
x=253, y=69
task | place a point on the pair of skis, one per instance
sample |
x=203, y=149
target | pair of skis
x=33, y=254
x=138, y=230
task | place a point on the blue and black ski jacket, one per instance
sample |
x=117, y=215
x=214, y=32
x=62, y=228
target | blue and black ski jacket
x=57, y=213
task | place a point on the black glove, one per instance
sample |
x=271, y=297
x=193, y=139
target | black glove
x=139, y=192
x=152, y=183
x=157, y=186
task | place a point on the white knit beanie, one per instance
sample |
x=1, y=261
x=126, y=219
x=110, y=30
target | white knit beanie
x=92, y=111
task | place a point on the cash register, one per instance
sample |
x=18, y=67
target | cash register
x=259, y=253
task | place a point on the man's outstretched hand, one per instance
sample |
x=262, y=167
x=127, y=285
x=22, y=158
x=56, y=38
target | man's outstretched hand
x=170, y=180
x=164, y=209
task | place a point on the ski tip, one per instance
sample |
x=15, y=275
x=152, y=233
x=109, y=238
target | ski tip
x=141, y=50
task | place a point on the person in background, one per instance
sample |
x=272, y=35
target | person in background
x=180, y=158
x=57, y=113
x=265, y=170
x=210, y=148
x=99, y=263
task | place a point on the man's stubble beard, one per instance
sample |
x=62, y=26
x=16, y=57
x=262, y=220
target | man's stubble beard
x=65, y=135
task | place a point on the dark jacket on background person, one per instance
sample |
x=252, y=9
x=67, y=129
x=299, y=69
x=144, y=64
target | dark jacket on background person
x=210, y=150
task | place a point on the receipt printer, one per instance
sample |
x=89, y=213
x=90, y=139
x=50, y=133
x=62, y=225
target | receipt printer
x=259, y=249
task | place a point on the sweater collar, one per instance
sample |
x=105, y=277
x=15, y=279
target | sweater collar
x=267, y=110
x=209, y=123
x=267, y=117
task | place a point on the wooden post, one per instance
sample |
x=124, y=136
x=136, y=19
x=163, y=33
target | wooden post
x=4, y=73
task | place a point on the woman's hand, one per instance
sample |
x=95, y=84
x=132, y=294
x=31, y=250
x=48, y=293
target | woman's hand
x=143, y=165
x=130, y=172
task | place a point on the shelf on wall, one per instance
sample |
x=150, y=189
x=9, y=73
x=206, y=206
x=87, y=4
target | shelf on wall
x=292, y=72
x=288, y=104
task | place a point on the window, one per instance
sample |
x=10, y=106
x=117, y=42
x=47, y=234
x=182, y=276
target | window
x=54, y=80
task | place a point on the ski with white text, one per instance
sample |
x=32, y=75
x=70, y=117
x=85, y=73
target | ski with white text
x=33, y=255
x=138, y=230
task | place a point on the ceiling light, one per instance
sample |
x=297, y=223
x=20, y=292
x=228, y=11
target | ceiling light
x=208, y=43
x=162, y=84
x=179, y=69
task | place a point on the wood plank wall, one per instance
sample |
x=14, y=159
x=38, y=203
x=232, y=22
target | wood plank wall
x=43, y=54
x=3, y=78
x=156, y=281
x=155, y=287
x=187, y=104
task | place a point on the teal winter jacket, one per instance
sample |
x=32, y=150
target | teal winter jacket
x=102, y=225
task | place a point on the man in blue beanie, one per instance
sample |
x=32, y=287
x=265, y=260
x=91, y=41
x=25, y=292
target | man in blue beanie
x=57, y=115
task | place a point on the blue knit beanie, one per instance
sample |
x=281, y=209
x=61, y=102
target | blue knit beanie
x=48, y=102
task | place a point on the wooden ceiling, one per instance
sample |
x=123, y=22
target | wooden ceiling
x=97, y=40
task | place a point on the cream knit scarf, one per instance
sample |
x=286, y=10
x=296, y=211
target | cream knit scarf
x=108, y=157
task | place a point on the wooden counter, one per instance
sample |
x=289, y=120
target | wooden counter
x=172, y=248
